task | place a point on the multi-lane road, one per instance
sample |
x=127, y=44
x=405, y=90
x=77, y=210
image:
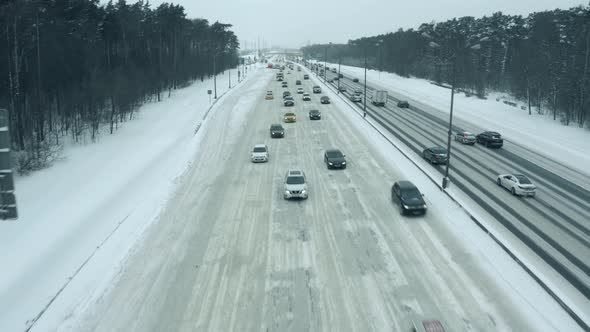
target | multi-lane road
x=555, y=224
x=230, y=254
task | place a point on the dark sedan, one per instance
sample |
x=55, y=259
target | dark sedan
x=325, y=100
x=315, y=115
x=490, y=139
x=436, y=155
x=408, y=197
x=334, y=159
x=403, y=104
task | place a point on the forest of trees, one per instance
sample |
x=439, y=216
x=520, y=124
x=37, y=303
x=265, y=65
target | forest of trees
x=542, y=59
x=75, y=67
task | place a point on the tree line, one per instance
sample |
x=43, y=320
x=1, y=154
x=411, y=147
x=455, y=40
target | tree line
x=542, y=59
x=73, y=67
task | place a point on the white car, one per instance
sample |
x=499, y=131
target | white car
x=518, y=184
x=306, y=97
x=299, y=90
x=357, y=98
x=260, y=153
x=295, y=184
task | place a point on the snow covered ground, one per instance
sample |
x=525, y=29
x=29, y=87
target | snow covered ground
x=568, y=144
x=94, y=205
x=84, y=235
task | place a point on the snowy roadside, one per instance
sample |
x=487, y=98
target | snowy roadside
x=566, y=144
x=536, y=305
x=94, y=205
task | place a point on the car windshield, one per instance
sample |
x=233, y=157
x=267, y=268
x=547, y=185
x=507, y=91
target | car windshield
x=276, y=128
x=523, y=179
x=259, y=149
x=410, y=193
x=295, y=180
x=334, y=154
x=439, y=151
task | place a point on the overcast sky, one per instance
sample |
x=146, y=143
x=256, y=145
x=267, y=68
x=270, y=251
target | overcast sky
x=295, y=24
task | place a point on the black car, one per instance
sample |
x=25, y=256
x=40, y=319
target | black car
x=490, y=139
x=342, y=89
x=408, y=197
x=276, y=130
x=298, y=82
x=403, y=104
x=325, y=100
x=436, y=155
x=340, y=76
x=286, y=93
x=334, y=159
x=316, y=89
x=355, y=79
x=305, y=77
x=315, y=115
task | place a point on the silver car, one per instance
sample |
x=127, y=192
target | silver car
x=295, y=184
x=517, y=184
x=259, y=153
x=465, y=137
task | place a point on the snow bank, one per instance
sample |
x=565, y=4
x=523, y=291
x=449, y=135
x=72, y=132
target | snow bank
x=112, y=190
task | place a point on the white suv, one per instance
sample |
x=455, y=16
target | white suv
x=295, y=184
x=260, y=153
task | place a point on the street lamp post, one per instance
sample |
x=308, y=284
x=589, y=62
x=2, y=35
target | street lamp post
x=380, y=45
x=339, y=61
x=215, y=75
x=446, y=181
x=325, y=62
x=365, y=93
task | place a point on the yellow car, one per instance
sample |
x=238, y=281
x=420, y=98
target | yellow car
x=268, y=95
x=289, y=117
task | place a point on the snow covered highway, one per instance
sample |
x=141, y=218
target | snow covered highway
x=228, y=253
x=553, y=225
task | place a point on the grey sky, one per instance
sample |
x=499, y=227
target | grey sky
x=294, y=24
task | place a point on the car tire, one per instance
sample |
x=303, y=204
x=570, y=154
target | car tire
x=499, y=182
x=487, y=144
x=513, y=191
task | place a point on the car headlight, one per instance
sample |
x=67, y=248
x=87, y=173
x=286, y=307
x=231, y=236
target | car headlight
x=287, y=192
x=344, y=163
x=304, y=191
x=405, y=206
x=424, y=206
x=329, y=163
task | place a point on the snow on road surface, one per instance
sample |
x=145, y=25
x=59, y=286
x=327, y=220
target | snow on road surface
x=114, y=188
x=540, y=133
x=228, y=253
